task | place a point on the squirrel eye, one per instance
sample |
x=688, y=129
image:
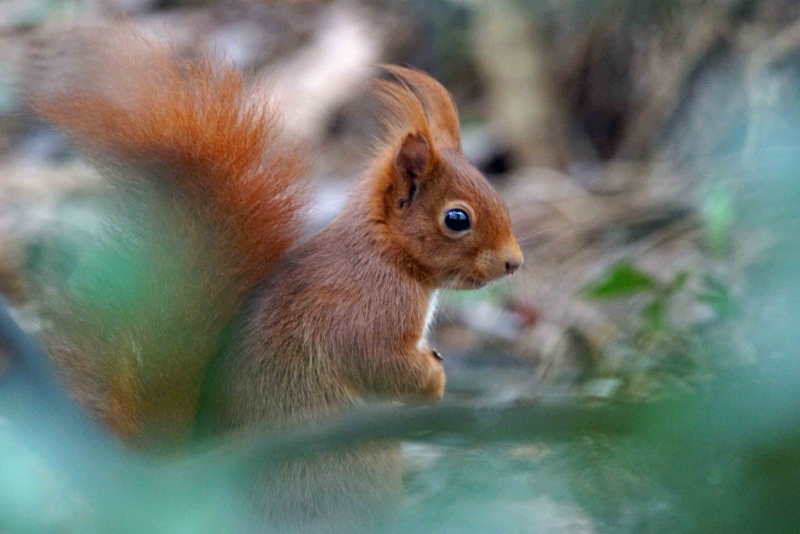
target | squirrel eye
x=457, y=220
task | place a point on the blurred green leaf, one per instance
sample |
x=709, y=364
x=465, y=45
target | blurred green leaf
x=717, y=210
x=654, y=316
x=717, y=295
x=677, y=283
x=621, y=280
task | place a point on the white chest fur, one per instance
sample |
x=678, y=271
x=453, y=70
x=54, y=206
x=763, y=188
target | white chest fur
x=430, y=316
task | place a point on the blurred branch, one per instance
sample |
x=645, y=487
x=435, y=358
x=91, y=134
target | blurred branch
x=760, y=92
x=666, y=95
x=778, y=47
x=524, y=423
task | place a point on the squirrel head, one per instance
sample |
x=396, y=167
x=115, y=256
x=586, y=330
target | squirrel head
x=437, y=212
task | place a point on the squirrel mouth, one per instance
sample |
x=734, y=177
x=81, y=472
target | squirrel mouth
x=475, y=283
x=465, y=283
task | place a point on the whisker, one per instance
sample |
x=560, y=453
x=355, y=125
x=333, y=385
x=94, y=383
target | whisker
x=531, y=235
x=444, y=304
x=444, y=273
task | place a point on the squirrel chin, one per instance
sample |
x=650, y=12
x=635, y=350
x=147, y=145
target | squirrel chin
x=466, y=284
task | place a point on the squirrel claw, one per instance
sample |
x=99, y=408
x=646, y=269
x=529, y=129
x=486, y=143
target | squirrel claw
x=437, y=355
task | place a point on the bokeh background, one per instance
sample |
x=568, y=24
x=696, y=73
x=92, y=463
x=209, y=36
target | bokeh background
x=639, y=375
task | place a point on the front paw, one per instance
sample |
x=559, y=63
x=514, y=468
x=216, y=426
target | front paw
x=434, y=389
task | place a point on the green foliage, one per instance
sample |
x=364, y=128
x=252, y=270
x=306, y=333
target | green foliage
x=717, y=295
x=624, y=280
x=621, y=280
x=654, y=354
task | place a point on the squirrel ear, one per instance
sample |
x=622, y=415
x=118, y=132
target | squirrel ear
x=410, y=162
x=438, y=104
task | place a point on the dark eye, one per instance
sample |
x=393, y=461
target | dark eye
x=457, y=220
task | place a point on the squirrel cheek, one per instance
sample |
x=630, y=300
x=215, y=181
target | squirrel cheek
x=483, y=264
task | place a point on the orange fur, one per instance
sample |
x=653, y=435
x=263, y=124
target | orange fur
x=402, y=110
x=196, y=121
x=191, y=134
x=438, y=104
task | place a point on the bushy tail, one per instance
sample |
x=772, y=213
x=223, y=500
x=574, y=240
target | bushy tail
x=191, y=125
x=208, y=197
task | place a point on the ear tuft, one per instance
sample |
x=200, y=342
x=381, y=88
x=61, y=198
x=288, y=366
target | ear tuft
x=437, y=103
x=411, y=161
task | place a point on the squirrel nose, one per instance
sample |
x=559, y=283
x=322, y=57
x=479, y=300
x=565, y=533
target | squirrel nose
x=512, y=266
x=514, y=260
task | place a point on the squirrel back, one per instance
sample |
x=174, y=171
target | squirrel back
x=207, y=196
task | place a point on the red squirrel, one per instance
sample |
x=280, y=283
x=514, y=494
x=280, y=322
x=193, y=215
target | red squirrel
x=311, y=326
